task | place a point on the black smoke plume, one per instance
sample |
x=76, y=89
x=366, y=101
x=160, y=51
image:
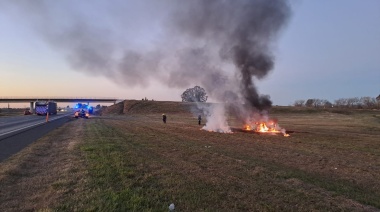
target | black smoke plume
x=222, y=45
x=243, y=30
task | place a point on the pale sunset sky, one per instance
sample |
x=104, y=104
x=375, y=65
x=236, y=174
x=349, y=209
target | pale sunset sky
x=327, y=50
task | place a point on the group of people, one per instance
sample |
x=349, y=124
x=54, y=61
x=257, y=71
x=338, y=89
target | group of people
x=199, y=119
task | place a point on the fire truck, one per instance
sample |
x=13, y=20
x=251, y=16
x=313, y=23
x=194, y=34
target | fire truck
x=44, y=108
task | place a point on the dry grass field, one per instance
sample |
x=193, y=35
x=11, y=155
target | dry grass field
x=11, y=112
x=128, y=160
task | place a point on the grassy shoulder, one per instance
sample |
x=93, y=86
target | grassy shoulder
x=136, y=163
x=40, y=175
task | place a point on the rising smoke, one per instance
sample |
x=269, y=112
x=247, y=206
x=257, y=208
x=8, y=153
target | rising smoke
x=239, y=32
x=222, y=45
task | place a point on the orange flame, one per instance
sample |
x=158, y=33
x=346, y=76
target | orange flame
x=263, y=127
x=247, y=127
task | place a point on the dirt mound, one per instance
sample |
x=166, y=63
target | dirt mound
x=114, y=109
x=135, y=106
x=151, y=107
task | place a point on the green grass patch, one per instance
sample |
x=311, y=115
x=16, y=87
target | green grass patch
x=114, y=182
x=140, y=164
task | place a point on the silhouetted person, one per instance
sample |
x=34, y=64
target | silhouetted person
x=164, y=118
x=199, y=119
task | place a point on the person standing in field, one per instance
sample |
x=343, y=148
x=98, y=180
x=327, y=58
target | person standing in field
x=199, y=119
x=164, y=118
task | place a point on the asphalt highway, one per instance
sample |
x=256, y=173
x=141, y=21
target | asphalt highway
x=19, y=131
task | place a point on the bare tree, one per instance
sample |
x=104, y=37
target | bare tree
x=196, y=94
x=352, y=102
x=340, y=103
x=317, y=103
x=356, y=102
x=309, y=103
x=299, y=103
x=314, y=103
x=368, y=102
x=326, y=103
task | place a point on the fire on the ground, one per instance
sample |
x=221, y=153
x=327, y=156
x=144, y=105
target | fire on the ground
x=265, y=127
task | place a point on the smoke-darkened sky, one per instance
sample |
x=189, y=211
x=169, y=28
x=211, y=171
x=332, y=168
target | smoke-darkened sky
x=320, y=49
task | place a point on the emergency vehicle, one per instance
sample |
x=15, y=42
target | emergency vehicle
x=44, y=108
x=83, y=110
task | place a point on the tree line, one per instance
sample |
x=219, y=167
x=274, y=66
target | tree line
x=365, y=102
x=198, y=94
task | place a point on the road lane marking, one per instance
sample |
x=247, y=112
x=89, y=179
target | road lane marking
x=33, y=125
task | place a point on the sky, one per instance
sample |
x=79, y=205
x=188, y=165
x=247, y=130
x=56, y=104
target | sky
x=327, y=50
